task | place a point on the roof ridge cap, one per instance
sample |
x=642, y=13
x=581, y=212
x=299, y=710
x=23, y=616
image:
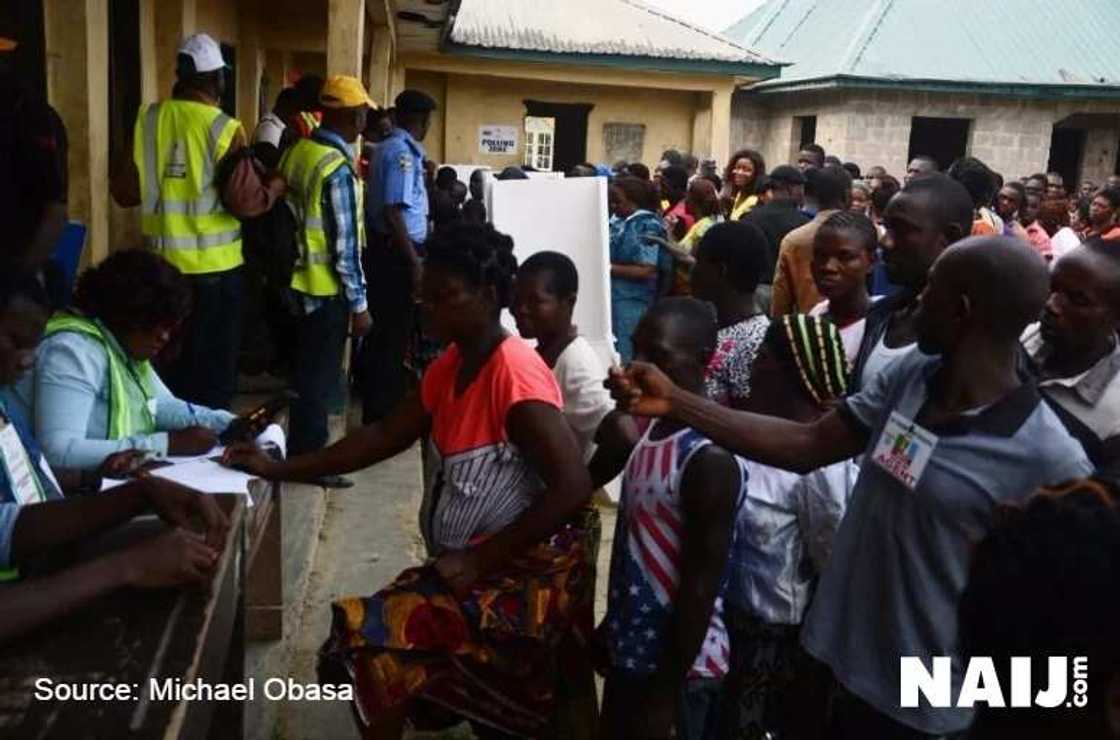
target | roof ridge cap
x=688, y=24
x=779, y=7
x=872, y=22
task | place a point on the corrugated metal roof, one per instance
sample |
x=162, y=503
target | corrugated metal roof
x=981, y=42
x=599, y=27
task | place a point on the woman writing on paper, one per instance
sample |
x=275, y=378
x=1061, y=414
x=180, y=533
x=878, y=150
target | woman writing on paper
x=93, y=391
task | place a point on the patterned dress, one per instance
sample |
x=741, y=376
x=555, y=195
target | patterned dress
x=631, y=298
x=491, y=656
x=729, y=370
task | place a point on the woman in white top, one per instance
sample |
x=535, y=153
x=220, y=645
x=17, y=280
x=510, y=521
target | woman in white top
x=544, y=299
x=785, y=529
x=843, y=258
x=547, y=284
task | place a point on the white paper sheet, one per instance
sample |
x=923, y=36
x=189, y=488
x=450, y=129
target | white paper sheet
x=206, y=476
x=202, y=473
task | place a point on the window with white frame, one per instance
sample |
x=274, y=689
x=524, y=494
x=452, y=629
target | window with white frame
x=540, y=135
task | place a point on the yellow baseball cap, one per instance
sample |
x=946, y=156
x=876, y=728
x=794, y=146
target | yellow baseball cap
x=341, y=91
x=7, y=44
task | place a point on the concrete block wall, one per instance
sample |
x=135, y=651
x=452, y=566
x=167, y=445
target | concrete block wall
x=872, y=127
x=1100, y=154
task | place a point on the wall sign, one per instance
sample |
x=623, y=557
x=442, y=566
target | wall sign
x=497, y=139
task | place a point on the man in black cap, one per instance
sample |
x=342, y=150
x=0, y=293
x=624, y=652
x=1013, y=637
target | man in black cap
x=782, y=192
x=397, y=227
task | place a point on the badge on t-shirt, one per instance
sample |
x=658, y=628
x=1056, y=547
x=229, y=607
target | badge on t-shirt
x=904, y=450
x=405, y=162
x=17, y=466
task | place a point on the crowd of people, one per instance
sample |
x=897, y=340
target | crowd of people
x=856, y=418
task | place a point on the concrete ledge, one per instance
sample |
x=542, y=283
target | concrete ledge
x=302, y=520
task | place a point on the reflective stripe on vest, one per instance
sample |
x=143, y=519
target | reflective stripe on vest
x=129, y=412
x=305, y=167
x=177, y=148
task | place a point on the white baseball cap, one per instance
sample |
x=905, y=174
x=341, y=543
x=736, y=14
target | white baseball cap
x=204, y=52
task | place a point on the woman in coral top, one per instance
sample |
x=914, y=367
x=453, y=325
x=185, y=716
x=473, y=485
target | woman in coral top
x=476, y=631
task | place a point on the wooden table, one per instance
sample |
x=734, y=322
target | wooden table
x=128, y=638
x=264, y=619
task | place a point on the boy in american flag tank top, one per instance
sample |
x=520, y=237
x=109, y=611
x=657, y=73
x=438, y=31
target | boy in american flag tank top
x=664, y=645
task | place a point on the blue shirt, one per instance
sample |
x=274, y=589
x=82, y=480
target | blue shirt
x=899, y=564
x=67, y=397
x=881, y=284
x=629, y=246
x=340, y=221
x=9, y=505
x=396, y=177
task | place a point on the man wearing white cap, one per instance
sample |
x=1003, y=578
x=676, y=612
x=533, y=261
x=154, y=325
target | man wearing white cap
x=177, y=148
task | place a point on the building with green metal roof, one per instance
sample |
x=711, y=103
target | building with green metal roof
x=1025, y=85
x=555, y=84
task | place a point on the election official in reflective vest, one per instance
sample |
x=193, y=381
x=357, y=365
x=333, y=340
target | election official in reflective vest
x=327, y=199
x=178, y=146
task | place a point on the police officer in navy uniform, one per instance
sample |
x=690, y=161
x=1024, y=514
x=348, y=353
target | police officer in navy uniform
x=397, y=213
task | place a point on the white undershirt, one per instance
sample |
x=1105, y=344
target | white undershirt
x=879, y=358
x=851, y=335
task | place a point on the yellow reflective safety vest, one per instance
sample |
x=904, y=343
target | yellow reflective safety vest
x=131, y=391
x=305, y=167
x=177, y=147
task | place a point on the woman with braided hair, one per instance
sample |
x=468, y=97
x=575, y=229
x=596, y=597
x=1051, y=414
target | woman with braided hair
x=476, y=631
x=843, y=259
x=784, y=529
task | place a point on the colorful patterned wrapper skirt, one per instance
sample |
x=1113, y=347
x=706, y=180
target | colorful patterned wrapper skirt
x=491, y=658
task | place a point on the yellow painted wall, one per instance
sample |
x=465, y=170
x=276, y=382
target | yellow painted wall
x=219, y=19
x=435, y=84
x=472, y=101
x=77, y=40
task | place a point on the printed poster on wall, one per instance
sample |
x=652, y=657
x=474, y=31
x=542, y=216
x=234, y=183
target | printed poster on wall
x=497, y=140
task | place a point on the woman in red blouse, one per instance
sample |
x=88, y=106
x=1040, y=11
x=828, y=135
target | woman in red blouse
x=476, y=631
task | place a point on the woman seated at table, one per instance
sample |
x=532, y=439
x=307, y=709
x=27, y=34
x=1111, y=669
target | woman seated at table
x=476, y=632
x=93, y=391
x=37, y=521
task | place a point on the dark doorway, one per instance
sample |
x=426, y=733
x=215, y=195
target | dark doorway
x=22, y=21
x=229, y=98
x=570, y=145
x=124, y=73
x=807, y=127
x=944, y=139
x=1067, y=147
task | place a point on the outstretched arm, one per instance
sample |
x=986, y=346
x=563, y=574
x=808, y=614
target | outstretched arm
x=644, y=390
x=359, y=449
x=675, y=248
x=174, y=558
x=616, y=439
x=41, y=527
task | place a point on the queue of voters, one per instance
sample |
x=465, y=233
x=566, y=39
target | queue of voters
x=854, y=416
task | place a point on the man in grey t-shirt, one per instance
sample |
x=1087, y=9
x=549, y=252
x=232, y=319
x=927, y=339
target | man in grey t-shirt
x=947, y=432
